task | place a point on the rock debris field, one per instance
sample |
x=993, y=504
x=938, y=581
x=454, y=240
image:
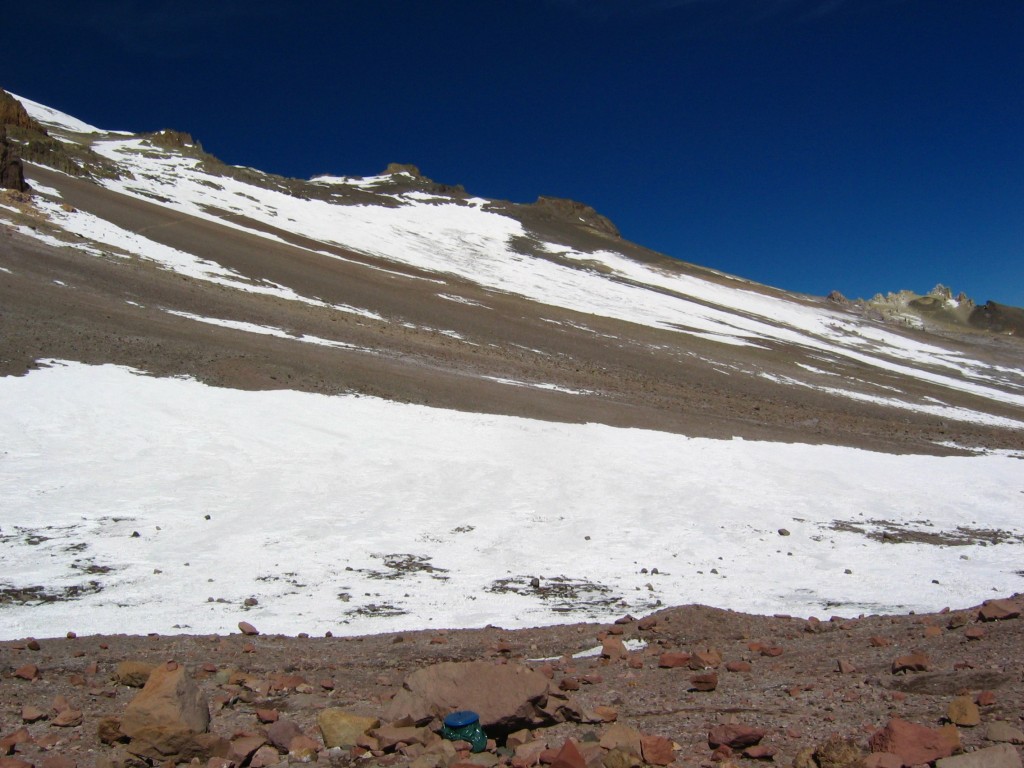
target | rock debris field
x=690, y=686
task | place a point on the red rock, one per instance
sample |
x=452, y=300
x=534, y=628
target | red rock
x=267, y=715
x=656, y=750
x=32, y=644
x=248, y=648
x=845, y=667
x=880, y=642
x=707, y=658
x=998, y=610
x=773, y=650
x=11, y=740
x=647, y=623
x=721, y=753
x=68, y=718
x=281, y=732
x=591, y=679
x=606, y=714
x=27, y=672
x=974, y=633
x=14, y=762
x=327, y=684
x=109, y=730
x=914, y=743
x=704, y=683
x=613, y=648
x=60, y=703
x=760, y=752
x=32, y=714
x=58, y=761
x=734, y=735
x=933, y=632
x=985, y=699
x=244, y=747
x=738, y=666
x=569, y=684
x=302, y=746
x=622, y=738
x=673, y=659
x=166, y=715
x=912, y=662
x=569, y=756
x=247, y=629
x=634, y=661
x=265, y=757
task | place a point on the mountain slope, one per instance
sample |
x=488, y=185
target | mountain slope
x=144, y=252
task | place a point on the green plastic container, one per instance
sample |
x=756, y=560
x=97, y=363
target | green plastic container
x=465, y=726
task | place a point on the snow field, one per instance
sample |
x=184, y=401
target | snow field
x=315, y=502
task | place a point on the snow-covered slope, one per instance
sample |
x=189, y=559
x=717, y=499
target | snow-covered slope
x=600, y=387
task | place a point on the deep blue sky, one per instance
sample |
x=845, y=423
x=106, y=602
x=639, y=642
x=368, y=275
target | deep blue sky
x=858, y=145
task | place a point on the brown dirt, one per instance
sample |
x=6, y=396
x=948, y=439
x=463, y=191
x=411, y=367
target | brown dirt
x=798, y=697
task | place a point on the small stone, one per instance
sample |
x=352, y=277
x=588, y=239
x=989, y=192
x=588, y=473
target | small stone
x=734, y=735
x=704, y=683
x=27, y=672
x=772, y=651
x=845, y=667
x=932, y=632
x=656, y=750
x=249, y=602
x=613, y=648
x=738, y=666
x=913, y=662
x=69, y=718
x=964, y=712
x=32, y=644
x=985, y=699
x=974, y=633
x=247, y=629
x=783, y=532
x=133, y=673
x=759, y=752
x=265, y=757
x=569, y=756
x=32, y=714
x=673, y=659
x=569, y=684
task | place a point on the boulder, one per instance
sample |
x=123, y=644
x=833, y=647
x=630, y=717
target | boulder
x=1002, y=756
x=914, y=743
x=343, y=729
x=133, y=673
x=734, y=736
x=163, y=720
x=912, y=662
x=1001, y=731
x=964, y=712
x=507, y=697
x=998, y=610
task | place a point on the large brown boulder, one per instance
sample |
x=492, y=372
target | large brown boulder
x=507, y=697
x=916, y=744
x=168, y=716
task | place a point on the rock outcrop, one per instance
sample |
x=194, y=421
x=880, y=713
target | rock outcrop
x=12, y=113
x=577, y=213
x=12, y=174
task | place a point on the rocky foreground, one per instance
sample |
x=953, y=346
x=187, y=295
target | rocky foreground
x=691, y=686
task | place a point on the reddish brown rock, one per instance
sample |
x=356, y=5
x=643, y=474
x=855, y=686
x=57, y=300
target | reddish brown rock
x=883, y=760
x=58, y=761
x=569, y=684
x=656, y=750
x=673, y=659
x=998, y=610
x=760, y=752
x=14, y=762
x=68, y=718
x=704, y=683
x=281, y=733
x=912, y=662
x=244, y=747
x=914, y=743
x=27, y=672
x=985, y=699
x=507, y=697
x=772, y=650
x=32, y=714
x=267, y=715
x=880, y=642
x=166, y=715
x=974, y=633
x=133, y=673
x=734, y=736
x=705, y=658
x=613, y=648
x=845, y=667
x=569, y=756
x=623, y=738
x=264, y=758
x=647, y=623
x=247, y=629
x=738, y=666
x=11, y=740
x=109, y=730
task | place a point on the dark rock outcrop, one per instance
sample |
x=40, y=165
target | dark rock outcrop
x=12, y=112
x=998, y=318
x=577, y=213
x=12, y=174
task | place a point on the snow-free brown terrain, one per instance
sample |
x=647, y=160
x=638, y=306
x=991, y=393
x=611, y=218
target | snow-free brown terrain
x=821, y=691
